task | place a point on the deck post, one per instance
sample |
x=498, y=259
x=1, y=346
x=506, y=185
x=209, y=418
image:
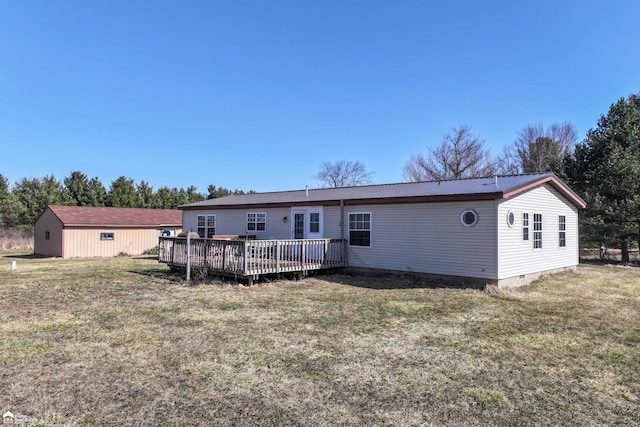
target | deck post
x=302, y=256
x=278, y=256
x=224, y=255
x=246, y=256
x=206, y=255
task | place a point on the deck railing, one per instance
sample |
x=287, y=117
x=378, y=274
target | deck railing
x=251, y=258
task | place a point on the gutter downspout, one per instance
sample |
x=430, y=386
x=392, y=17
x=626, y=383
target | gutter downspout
x=497, y=236
x=345, y=247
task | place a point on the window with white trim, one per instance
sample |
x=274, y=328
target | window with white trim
x=206, y=226
x=469, y=218
x=525, y=226
x=256, y=221
x=537, y=231
x=360, y=229
x=106, y=236
x=314, y=222
x=562, y=231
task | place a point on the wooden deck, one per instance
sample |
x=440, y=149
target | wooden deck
x=250, y=259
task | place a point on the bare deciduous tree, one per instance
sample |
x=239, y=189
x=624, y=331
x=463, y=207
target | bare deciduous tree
x=343, y=173
x=460, y=154
x=508, y=162
x=537, y=149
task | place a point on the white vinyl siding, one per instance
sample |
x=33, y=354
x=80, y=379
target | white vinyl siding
x=427, y=238
x=415, y=237
x=517, y=256
x=234, y=222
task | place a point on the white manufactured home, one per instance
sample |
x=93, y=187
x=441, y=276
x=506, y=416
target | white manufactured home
x=506, y=230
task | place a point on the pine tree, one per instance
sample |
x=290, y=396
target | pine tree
x=605, y=169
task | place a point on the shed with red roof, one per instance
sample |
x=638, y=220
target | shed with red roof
x=84, y=231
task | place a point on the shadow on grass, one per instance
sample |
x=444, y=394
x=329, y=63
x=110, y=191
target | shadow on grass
x=153, y=257
x=399, y=281
x=379, y=282
x=160, y=273
x=603, y=261
x=28, y=256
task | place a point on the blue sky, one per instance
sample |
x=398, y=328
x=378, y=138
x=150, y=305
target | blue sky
x=257, y=94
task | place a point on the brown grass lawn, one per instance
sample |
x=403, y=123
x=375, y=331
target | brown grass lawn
x=120, y=341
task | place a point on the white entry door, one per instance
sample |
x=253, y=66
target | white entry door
x=307, y=223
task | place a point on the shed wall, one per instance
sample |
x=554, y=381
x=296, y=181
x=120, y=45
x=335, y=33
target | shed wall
x=517, y=257
x=85, y=242
x=50, y=223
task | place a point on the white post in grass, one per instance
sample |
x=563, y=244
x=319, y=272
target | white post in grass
x=188, y=257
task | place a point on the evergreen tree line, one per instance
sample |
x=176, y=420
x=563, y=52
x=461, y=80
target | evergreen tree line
x=22, y=203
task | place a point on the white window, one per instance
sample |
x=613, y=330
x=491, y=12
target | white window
x=511, y=219
x=256, y=221
x=469, y=218
x=314, y=222
x=525, y=226
x=537, y=231
x=360, y=229
x=562, y=231
x=206, y=226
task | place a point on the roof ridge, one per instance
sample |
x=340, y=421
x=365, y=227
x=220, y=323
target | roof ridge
x=416, y=182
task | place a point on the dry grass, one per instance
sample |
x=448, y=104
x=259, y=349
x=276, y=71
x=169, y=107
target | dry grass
x=122, y=342
x=12, y=239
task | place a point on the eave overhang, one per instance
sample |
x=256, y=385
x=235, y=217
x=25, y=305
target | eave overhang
x=354, y=202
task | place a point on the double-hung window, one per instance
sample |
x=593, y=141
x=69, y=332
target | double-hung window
x=206, y=226
x=256, y=221
x=360, y=229
x=562, y=231
x=537, y=231
x=525, y=226
x=314, y=222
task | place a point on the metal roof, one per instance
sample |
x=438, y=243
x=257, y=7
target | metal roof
x=87, y=216
x=500, y=187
